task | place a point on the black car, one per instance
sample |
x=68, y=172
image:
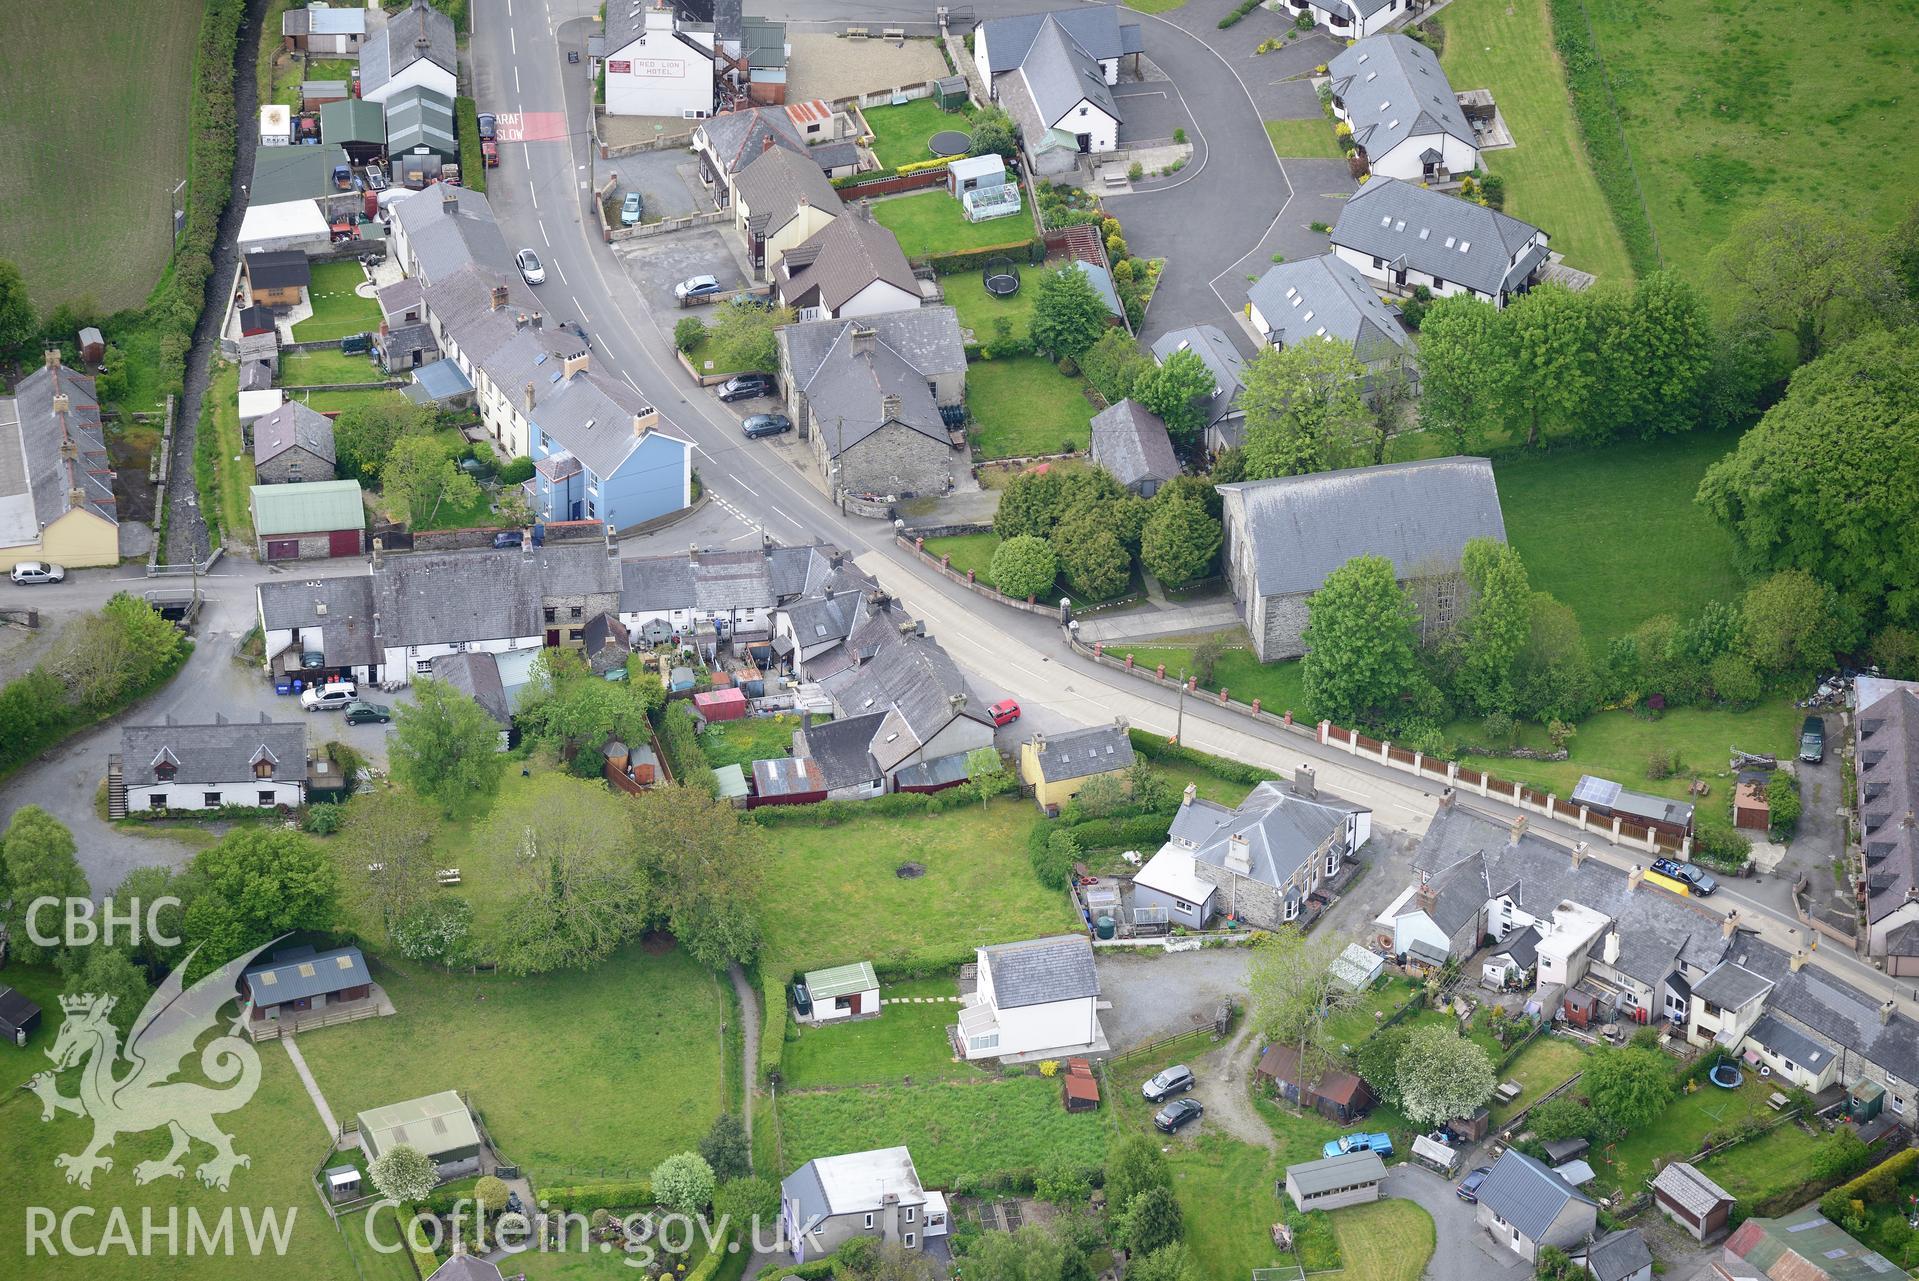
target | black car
x=746, y=386
x=760, y=425
x=489, y=127
x=1812, y=740
x=1178, y=1113
x=1468, y=1189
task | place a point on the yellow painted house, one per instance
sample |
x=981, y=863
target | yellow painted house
x=1056, y=766
x=56, y=482
x=780, y=200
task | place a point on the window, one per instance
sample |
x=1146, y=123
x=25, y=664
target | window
x=1181, y=905
x=909, y=1241
x=869, y=1220
x=1438, y=283
x=1711, y=1010
x=575, y=633
x=1332, y=863
x=912, y=1213
x=576, y=611
x=164, y=771
x=552, y=614
x=1898, y=1105
x=1292, y=908
x=157, y=801
x=263, y=768
x=842, y=1002
x=1378, y=263
x=266, y=797
x=210, y=799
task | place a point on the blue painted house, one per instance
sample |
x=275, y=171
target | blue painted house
x=600, y=452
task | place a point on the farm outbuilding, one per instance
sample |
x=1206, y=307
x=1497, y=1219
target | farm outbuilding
x=437, y=1125
x=1353, y=1178
x=842, y=992
x=787, y=780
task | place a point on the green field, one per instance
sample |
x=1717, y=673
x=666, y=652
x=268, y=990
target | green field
x=1350, y=1027
x=906, y=1040
x=611, y=1068
x=900, y=133
x=1507, y=47
x=1303, y=138
x=1679, y=1130
x=932, y=223
x=1385, y=1241
x=1725, y=104
x=94, y=94
x=1776, y=1162
x=337, y=309
x=1024, y=407
x=979, y=311
x=327, y=402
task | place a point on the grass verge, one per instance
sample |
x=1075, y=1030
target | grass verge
x=1303, y=138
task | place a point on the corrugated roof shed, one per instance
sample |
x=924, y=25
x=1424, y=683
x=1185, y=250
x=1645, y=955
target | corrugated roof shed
x=308, y=508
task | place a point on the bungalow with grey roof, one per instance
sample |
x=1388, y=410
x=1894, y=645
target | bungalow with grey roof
x=1523, y=1206
x=1405, y=119
x=1400, y=236
x=298, y=981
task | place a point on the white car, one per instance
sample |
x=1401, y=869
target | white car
x=697, y=287
x=38, y=571
x=530, y=269
x=328, y=698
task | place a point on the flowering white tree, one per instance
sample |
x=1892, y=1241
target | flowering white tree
x=403, y=1173
x=1442, y=1075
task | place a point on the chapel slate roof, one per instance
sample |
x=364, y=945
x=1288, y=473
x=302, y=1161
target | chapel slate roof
x=219, y=753
x=1526, y=1194
x=1326, y=297
x=1081, y=753
x=1393, y=89
x=1130, y=442
x=1040, y=971
x=1441, y=235
x=294, y=425
x=1419, y=515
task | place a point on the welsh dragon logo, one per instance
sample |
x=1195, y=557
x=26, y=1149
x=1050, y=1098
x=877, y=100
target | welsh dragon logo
x=146, y=1098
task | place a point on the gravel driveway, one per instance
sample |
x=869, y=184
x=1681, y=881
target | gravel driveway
x=1154, y=994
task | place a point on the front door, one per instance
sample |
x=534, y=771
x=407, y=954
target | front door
x=552, y=638
x=1085, y=143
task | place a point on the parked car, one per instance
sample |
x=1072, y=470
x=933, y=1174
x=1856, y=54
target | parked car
x=572, y=55
x=746, y=386
x=632, y=209
x=1812, y=740
x=697, y=287
x=1178, y=1113
x=1004, y=712
x=1697, y=878
x=1174, y=1080
x=329, y=698
x=489, y=126
x=1468, y=1189
x=530, y=269
x=38, y=571
x=760, y=425
x=1381, y=1143
x=359, y=712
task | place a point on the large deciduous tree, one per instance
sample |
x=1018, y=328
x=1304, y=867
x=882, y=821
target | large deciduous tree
x=1152, y=1222
x=1627, y=1087
x=1180, y=392
x=385, y=855
x=1293, y=994
x=1496, y=628
x=1465, y=370
x=116, y=653
x=1133, y=1165
x=684, y=1183
x=1115, y=365
x=1442, y=1075
x=257, y=884
x=1553, y=675
x=1303, y=409
x=403, y=1173
x=1553, y=363
x=1809, y=271
x=572, y=709
x=1656, y=351
x=105, y=971
x=1795, y=623
x=1068, y=314
x=37, y=858
x=707, y=867
x=1181, y=539
x=445, y=747
x=579, y=894
x=365, y=435
x=1823, y=483
x=17, y=324
x=418, y=478
x=1360, y=638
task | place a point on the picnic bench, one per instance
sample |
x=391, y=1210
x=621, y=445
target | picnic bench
x=447, y=876
x=1509, y=1090
x=1777, y=1101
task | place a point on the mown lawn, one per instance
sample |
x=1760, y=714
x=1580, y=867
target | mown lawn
x=1775, y=1162
x=1350, y=1027
x=1024, y=406
x=900, y=134
x=1678, y=1131
x=337, y=309
x=968, y=551
x=1303, y=138
x=1548, y=1062
x=907, y=1040
x=327, y=365
x=1389, y=1240
x=1277, y=686
x=955, y=1130
x=1507, y=46
x=232, y=460
x=980, y=312
x=749, y=739
x=327, y=402
x=932, y=223
x=612, y=1068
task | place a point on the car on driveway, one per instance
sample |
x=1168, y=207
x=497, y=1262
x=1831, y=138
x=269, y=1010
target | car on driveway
x=697, y=287
x=329, y=698
x=360, y=712
x=760, y=425
x=632, y=209
x=1004, y=712
x=530, y=267
x=489, y=126
x=746, y=387
x=1381, y=1143
x=1697, y=878
x=1174, y=1080
x=1178, y=1113
x=38, y=571
x=1812, y=740
x=1468, y=1189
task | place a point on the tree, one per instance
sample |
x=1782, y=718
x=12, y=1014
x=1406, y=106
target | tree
x=489, y=1193
x=1181, y=540
x=106, y=971
x=1293, y=994
x=1030, y=506
x=1024, y=567
x=17, y=322
x=1554, y=1264
x=1101, y=796
x=1553, y=675
x=418, y=479
x=1386, y=400
x=385, y=855
x=1497, y=627
x=364, y=435
x=707, y=866
x=567, y=706
x=1359, y=641
x=1133, y=1165
x=578, y=894
x=436, y=930
x=1821, y=483
x=684, y=1182
x=1377, y=1060
x=1094, y=561
x=1465, y=369
x=257, y=884
x=148, y=886
x=38, y=862
x=1062, y=1182
x=1782, y=800
x=1808, y=271
x=1068, y=314
x=987, y=774
x=894, y=1262
x=1794, y=624
x=1152, y=1221
x=688, y=333
x=1656, y=353
x=1442, y=1075
x=1180, y=391
x=993, y=133
x=742, y=337
x=1115, y=365
x=1030, y=1254
x=1551, y=348
x=744, y=1202
x=403, y=1173
x=1894, y=650
x=103, y=658
x=1562, y=1118
x=445, y=746
x=725, y=1148
x=1628, y=1087
x=1303, y=409
x=1168, y=1263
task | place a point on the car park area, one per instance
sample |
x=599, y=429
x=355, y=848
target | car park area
x=658, y=263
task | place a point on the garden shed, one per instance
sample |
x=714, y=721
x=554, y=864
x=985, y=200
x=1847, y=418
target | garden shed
x=1357, y=968
x=729, y=783
x=951, y=92
x=680, y=679
x=18, y=1016
x=787, y=780
x=720, y=704
x=974, y=173
x=1079, y=1087
x=1353, y=1178
x=1750, y=808
x=842, y=992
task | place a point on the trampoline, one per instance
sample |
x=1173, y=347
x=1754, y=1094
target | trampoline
x=1000, y=278
x=1726, y=1076
x=950, y=142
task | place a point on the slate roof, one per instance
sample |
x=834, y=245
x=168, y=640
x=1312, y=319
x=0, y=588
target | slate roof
x=655, y=583
x=1526, y=1194
x=591, y=416
x=736, y=138
x=443, y=241
x=1059, y=72
x=306, y=507
x=1212, y=346
x=1418, y=515
x=1082, y=753
x=466, y=1267
x=419, y=117
x=732, y=580
x=926, y=338
x=476, y=673
x=352, y=120
x=846, y=395
x=1326, y=297
x=842, y=749
x=276, y=268
x=1392, y=90
x=774, y=185
x=1130, y=442
x=1102, y=282
x=844, y=257
x=1693, y=1191
x=626, y=22
x=400, y=44
x=1105, y=31
x=1730, y=986
x=1522, y=946
x=1041, y=971
x=341, y=606
x=911, y=678
x=285, y=174
x=1282, y=830
x=829, y=617
x=1618, y=1255
x=296, y=973
x=797, y=571
x=37, y=484
x=1441, y=235
x=852, y=1183
x=1887, y=742
x=1606, y=794
x=1832, y=1009
x=434, y=597
x=1344, y=1170
x=294, y=425
x=256, y=375
x=1789, y=1043
x=220, y=753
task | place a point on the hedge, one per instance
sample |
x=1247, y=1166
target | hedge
x=969, y=260
x=1244, y=7
x=813, y=1271
x=681, y=743
x=920, y=166
x=472, y=163
x=1877, y=1186
x=1141, y=832
x=584, y=1198
x=892, y=805
x=1602, y=132
x=1155, y=748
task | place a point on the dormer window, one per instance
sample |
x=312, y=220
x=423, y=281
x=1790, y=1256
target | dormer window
x=164, y=771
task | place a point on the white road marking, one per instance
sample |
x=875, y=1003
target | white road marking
x=543, y=235
x=562, y=271
x=509, y=8
x=514, y=41
x=696, y=446
x=636, y=387
x=516, y=80
x=530, y=188
x=748, y=488
x=783, y=516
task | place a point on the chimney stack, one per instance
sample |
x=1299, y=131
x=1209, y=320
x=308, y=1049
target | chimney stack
x=526, y=399
x=1798, y=961
x=889, y=407
x=539, y=320
x=957, y=702
x=449, y=198
x=1612, y=946
x=1239, y=854
x=1729, y=926
x=576, y=364
x=1446, y=799
x=53, y=359
x=1518, y=829
x=1188, y=796
x=499, y=297
x=1303, y=784
x=1426, y=898
x=645, y=420
x=1039, y=744
x=1579, y=852
x=863, y=340
x=693, y=554
x=766, y=144
x=1885, y=1012
x=379, y=545
x=519, y=320
x=1634, y=875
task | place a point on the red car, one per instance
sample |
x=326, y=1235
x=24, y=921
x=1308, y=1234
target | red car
x=490, y=152
x=1004, y=713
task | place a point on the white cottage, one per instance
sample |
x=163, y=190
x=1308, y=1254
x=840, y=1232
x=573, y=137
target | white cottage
x=260, y=764
x=1037, y=999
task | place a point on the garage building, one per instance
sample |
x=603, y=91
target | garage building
x=315, y=520
x=1353, y=1178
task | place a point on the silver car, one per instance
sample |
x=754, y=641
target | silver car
x=1173, y=1080
x=38, y=571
